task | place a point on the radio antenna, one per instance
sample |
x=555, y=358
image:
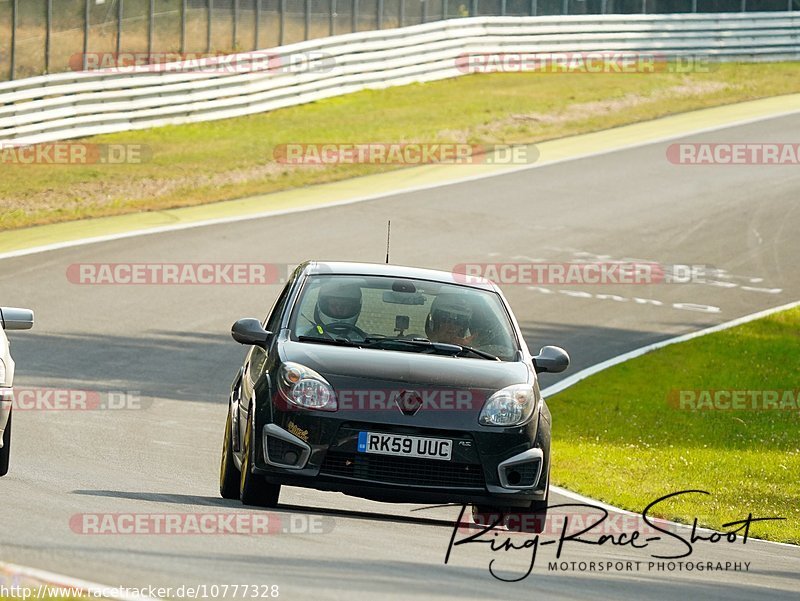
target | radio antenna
x=388, y=238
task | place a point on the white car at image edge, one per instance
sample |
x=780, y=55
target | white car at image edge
x=11, y=319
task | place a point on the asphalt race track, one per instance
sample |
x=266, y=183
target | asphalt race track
x=170, y=347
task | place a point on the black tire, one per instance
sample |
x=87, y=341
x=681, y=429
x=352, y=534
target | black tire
x=254, y=489
x=5, y=452
x=229, y=475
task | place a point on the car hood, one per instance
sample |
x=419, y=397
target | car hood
x=406, y=367
x=371, y=385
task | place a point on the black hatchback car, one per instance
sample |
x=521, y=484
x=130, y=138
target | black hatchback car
x=390, y=383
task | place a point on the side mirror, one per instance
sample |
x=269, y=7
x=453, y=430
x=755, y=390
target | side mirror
x=551, y=359
x=16, y=319
x=250, y=331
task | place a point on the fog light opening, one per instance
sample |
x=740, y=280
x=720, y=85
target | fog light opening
x=513, y=477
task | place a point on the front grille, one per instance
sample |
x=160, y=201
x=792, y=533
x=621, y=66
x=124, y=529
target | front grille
x=403, y=470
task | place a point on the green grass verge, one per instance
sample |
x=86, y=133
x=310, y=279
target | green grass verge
x=620, y=436
x=220, y=160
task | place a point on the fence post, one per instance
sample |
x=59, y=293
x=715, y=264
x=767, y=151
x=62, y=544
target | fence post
x=565, y=7
x=603, y=6
x=256, y=45
x=402, y=12
x=86, y=7
x=14, y=19
x=120, y=9
x=354, y=17
x=444, y=10
x=209, y=12
x=743, y=6
x=644, y=7
x=307, y=22
x=380, y=14
x=473, y=9
x=282, y=23
x=183, y=27
x=502, y=8
x=694, y=6
x=423, y=17
x=150, y=24
x=534, y=8
x=235, y=17
x=332, y=15
x=48, y=33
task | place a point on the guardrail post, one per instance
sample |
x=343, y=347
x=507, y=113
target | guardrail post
x=380, y=14
x=644, y=7
x=13, y=63
x=86, y=7
x=402, y=12
x=235, y=17
x=694, y=6
x=183, y=27
x=534, y=8
x=473, y=8
x=603, y=6
x=307, y=19
x=744, y=6
x=331, y=16
x=354, y=17
x=423, y=18
x=47, y=35
x=502, y=8
x=565, y=7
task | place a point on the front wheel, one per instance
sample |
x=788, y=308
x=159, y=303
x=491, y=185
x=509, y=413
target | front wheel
x=5, y=452
x=254, y=489
x=531, y=519
x=229, y=475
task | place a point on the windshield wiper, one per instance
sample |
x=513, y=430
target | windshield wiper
x=331, y=340
x=479, y=352
x=419, y=343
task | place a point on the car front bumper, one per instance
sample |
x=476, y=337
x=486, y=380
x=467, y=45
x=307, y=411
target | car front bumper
x=503, y=467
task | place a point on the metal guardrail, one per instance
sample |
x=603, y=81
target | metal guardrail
x=79, y=104
x=43, y=36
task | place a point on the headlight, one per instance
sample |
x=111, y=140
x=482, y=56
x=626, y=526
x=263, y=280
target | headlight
x=2, y=373
x=510, y=406
x=304, y=387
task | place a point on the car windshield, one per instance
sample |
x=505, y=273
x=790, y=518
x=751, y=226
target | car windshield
x=403, y=315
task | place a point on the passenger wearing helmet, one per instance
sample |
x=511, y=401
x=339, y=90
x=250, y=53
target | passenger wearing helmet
x=338, y=307
x=449, y=320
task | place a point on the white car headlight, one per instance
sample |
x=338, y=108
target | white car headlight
x=304, y=387
x=510, y=406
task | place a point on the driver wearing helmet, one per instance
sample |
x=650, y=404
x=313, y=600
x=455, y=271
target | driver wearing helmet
x=449, y=320
x=339, y=302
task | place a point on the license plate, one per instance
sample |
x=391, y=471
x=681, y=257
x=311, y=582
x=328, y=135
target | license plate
x=406, y=446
